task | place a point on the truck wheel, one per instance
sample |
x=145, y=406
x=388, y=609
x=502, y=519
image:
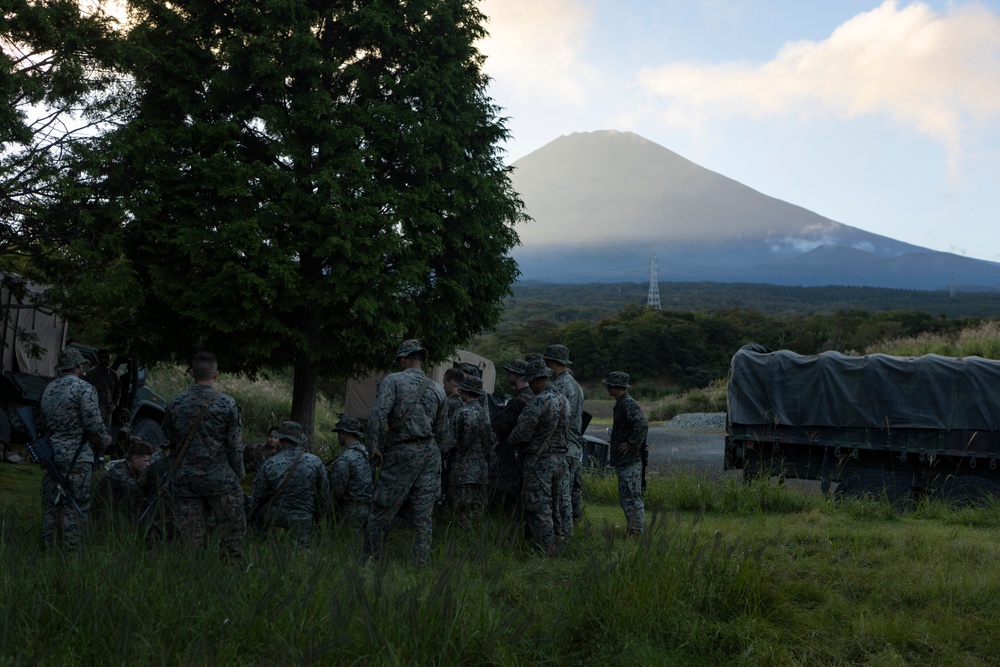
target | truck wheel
x=149, y=431
x=968, y=490
x=877, y=485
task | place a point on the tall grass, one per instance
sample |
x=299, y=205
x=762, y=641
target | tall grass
x=982, y=340
x=703, y=399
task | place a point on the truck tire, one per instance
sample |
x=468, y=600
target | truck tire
x=968, y=490
x=149, y=431
x=876, y=485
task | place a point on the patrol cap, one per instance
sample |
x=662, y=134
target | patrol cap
x=516, y=366
x=70, y=357
x=558, y=354
x=472, y=384
x=408, y=347
x=292, y=432
x=535, y=370
x=349, y=425
x=617, y=379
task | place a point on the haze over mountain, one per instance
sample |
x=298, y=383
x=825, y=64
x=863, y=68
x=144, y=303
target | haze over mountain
x=604, y=202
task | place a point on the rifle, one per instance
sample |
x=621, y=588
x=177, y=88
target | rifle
x=40, y=450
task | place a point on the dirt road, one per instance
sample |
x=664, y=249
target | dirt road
x=699, y=450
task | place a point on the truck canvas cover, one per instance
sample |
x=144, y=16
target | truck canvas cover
x=876, y=391
x=17, y=318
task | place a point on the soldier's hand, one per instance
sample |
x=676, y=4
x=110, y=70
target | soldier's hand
x=376, y=456
x=622, y=447
x=107, y=441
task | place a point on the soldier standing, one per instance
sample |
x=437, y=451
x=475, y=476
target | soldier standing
x=470, y=459
x=291, y=490
x=204, y=429
x=351, y=475
x=557, y=358
x=628, y=438
x=107, y=383
x=71, y=414
x=509, y=459
x=541, y=430
x=406, y=424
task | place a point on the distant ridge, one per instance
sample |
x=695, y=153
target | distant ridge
x=603, y=202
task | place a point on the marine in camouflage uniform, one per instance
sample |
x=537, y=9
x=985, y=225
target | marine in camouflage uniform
x=205, y=485
x=541, y=431
x=473, y=439
x=453, y=403
x=121, y=492
x=571, y=507
x=71, y=415
x=509, y=457
x=628, y=438
x=406, y=424
x=351, y=475
x=254, y=456
x=291, y=490
x=107, y=383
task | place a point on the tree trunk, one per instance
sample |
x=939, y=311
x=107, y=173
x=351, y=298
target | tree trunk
x=304, y=387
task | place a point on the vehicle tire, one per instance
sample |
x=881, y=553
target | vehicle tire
x=876, y=485
x=968, y=490
x=149, y=431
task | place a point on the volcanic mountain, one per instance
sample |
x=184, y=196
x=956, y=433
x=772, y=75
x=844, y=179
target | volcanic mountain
x=603, y=202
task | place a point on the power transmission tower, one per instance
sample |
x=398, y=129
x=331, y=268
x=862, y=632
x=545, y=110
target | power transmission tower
x=653, y=300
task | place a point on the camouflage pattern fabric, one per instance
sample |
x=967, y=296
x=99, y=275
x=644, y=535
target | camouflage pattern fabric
x=544, y=480
x=508, y=456
x=207, y=479
x=119, y=493
x=305, y=498
x=254, y=457
x=73, y=419
x=403, y=426
x=572, y=503
x=109, y=390
x=351, y=485
x=470, y=463
x=628, y=431
x=630, y=495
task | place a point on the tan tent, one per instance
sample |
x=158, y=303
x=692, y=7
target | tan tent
x=361, y=392
x=18, y=319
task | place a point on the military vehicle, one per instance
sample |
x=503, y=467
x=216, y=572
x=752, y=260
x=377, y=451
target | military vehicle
x=32, y=336
x=894, y=427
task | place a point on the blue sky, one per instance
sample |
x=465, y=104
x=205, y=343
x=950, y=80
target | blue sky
x=879, y=115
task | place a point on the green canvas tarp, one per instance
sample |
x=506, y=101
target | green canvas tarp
x=879, y=391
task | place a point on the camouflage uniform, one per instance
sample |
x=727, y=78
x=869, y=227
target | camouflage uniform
x=572, y=501
x=71, y=415
x=541, y=430
x=628, y=437
x=109, y=390
x=254, y=457
x=470, y=463
x=508, y=457
x=120, y=493
x=411, y=458
x=205, y=488
x=304, y=496
x=351, y=477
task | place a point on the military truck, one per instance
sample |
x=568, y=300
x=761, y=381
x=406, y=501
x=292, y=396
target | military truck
x=895, y=427
x=32, y=336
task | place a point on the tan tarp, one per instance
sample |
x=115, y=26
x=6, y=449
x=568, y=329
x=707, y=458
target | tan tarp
x=17, y=318
x=361, y=391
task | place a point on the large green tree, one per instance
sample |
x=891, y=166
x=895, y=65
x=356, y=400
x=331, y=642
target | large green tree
x=307, y=182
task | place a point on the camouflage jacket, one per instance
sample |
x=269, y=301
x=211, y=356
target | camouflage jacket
x=120, y=490
x=473, y=441
x=306, y=493
x=213, y=463
x=109, y=389
x=570, y=388
x=425, y=421
x=351, y=476
x=452, y=404
x=542, y=424
x=629, y=429
x=71, y=415
x=507, y=416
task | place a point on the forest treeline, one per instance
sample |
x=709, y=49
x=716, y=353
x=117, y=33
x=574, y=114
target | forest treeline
x=675, y=350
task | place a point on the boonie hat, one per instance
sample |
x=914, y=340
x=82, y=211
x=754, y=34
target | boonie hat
x=292, y=432
x=558, y=354
x=408, y=347
x=617, y=379
x=349, y=425
x=536, y=369
x=70, y=357
x=516, y=366
x=473, y=385
x=533, y=356
x=468, y=369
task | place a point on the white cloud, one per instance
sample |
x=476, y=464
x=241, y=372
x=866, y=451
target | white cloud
x=536, y=49
x=934, y=73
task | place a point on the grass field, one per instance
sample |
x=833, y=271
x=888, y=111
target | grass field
x=726, y=574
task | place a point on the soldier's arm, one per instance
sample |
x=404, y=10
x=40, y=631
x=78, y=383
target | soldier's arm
x=234, y=442
x=322, y=490
x=525, y=426
x=340, y=474
x=441, y=427
x=378, y=420
x=638, y=426
x=93, y=423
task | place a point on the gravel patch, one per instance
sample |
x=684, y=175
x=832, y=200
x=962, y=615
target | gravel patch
x=698, y=420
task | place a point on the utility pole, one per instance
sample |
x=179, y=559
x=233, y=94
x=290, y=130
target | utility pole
x=653, y=300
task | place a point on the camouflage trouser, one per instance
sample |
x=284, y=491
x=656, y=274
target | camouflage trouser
x=630, y=495
x=409, y=472
x=353, y=514
x=544, y=480
x=61, y=523
x=194, y=517
x=507, y=488
x=468, y=501
x=298, y=524
x=567, y=503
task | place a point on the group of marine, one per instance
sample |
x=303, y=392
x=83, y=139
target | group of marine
x=425, y=448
